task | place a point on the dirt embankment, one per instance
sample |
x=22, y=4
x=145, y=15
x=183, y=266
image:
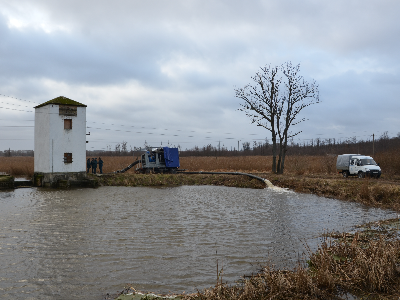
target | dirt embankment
x=383, y=193
x=180, y=179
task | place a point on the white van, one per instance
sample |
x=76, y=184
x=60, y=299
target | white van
x=357, y=165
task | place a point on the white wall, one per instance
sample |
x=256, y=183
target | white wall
x=52, y=140
x=42, y=147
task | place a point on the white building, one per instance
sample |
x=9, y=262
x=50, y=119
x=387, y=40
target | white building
x=60, y=142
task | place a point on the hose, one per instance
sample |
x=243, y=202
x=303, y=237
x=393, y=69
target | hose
x=128, y=167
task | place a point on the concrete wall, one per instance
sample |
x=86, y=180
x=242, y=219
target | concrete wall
x=52, y=140
x=42, y=141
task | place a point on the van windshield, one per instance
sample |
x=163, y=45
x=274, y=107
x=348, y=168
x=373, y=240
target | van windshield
x=368, y=161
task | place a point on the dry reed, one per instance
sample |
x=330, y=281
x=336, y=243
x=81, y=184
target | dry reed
x=334, y=272
x=254, y=164
x=371, y=192
x=17, y=166
x=294, y=165
x=23, y=165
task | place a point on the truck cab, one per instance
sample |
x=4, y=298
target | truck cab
x=364, y=166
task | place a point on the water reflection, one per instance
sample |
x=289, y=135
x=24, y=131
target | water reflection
x=86, y=243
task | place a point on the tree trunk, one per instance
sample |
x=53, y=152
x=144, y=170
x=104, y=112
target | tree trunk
x=273, y=153
x=284, y=156
x=280, y=162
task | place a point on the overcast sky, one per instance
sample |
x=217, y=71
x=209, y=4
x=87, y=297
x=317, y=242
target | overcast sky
x=165, y=71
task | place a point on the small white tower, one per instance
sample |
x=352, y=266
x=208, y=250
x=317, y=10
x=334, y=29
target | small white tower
x=60, y=142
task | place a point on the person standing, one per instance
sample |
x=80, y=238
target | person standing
x=95, y=165
x=92, y=163
x=88, y=165
x=100, y=165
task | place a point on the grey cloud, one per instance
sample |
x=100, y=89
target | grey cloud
x=209, y=47
x=65, y=59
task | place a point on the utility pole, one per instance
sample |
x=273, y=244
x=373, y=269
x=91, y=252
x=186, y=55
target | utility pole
x=373, y=145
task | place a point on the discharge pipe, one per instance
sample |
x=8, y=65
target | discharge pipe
x=128, y=167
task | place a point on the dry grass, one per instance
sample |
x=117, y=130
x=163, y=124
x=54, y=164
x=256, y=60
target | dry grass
x=23, y=165
x=255, y=164
x=227, y=164
x=363, y=269
x=294, y=165
x=371, y=192
x=389, y=162
x=17, y=166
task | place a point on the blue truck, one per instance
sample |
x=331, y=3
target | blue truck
x=159, y=160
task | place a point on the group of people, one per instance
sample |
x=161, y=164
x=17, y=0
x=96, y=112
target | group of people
x=92, y=164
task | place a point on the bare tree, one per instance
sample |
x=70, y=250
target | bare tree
x=124, y=147
x=118, y=149
x=384, y=136
x=275, y=102
x=246, y=146
x=261, y=102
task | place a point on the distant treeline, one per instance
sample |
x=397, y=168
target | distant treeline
x=312, y=147
x=9, y=153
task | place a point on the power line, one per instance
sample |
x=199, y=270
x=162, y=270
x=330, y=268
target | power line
x=17, y=98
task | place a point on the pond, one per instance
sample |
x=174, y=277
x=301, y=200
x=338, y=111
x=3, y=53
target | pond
x=65, y=244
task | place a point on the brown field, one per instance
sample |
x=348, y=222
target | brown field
x=260, y=164
x=294, y=165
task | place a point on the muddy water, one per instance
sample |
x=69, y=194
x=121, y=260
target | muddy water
x=85, y=243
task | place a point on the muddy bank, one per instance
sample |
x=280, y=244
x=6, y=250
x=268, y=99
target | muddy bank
x=371, y=192
x=179, y=179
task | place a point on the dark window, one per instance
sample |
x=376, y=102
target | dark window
x=67, y=123
x=67, y=158
x=67, y=110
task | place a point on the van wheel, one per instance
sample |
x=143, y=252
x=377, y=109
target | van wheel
x=345, y=174
x=361, y=174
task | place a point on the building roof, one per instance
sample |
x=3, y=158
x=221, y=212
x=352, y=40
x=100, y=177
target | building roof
x=61, y=100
